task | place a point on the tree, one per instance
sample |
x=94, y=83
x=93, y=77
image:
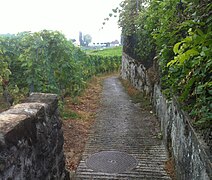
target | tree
x=87, y=39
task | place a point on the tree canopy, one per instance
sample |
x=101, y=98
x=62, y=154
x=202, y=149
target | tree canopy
x=87, y=39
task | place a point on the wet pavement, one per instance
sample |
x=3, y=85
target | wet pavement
x=122, y=126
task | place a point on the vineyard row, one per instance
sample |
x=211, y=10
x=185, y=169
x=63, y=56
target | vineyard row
x=46, y=61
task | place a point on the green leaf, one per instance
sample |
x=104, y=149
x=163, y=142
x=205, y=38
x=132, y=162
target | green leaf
x=191, y=52
x=176, y=47
x=199, y=31
x=187, y=88
x=172, y=62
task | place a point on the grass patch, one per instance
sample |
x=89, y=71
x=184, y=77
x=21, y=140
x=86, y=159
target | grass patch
x=136, y=95
x=70, y=115
x=115, y=51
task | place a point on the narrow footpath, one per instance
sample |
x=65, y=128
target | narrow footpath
x=124, y=142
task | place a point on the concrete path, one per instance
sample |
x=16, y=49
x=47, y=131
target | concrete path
x=123, y=126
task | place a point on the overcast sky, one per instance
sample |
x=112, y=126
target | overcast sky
x=67, y=16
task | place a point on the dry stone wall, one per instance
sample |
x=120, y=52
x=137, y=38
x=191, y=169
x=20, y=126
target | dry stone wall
x=192, y=156
x=136, y=73
x=31, y=140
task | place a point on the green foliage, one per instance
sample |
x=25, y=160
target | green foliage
x=70, y=114
x=178, y=34
x=46, y=61
x=105, y=64
x=5, y=54
x=106, y=60
x=193, y=62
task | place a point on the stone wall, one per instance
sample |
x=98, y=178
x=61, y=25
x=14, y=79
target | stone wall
x=31, y=140
x=136, y=73
x=192, y=156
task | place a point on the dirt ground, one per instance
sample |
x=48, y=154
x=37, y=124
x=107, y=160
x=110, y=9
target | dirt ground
x=80, y=115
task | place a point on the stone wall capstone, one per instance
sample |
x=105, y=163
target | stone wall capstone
x=191, y=154
x=31, y=140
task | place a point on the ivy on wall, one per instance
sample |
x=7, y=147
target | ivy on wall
x=178, y=34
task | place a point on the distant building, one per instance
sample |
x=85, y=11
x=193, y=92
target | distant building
x=114, y=43
x=103, y=45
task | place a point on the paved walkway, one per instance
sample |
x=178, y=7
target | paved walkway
x=122, y=126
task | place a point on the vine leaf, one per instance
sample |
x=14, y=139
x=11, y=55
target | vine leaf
x=176, y=47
